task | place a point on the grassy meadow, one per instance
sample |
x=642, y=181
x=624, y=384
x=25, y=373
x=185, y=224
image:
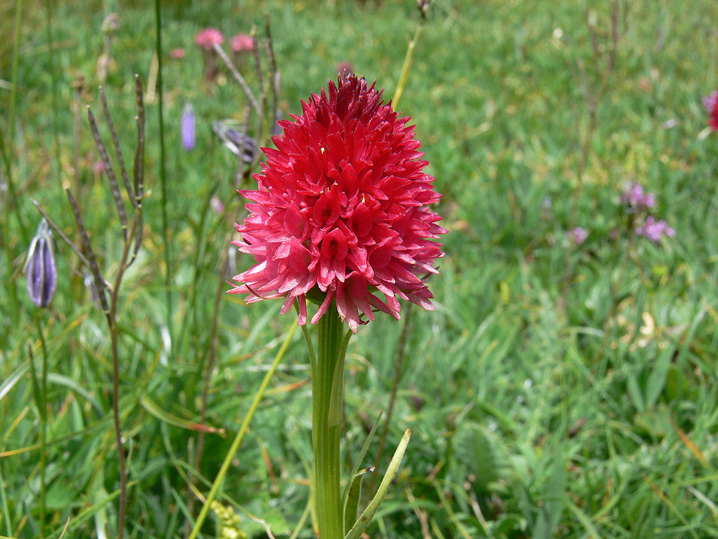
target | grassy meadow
x=560, y=389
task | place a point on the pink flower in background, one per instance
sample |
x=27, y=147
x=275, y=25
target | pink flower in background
x=216, y=204
x=710, y=102
x=206, y=40
x=341, y=213
x=635, y=197
x=177, y=54
x=208, y=37
x=655, y=230
x=242, y=43
x=578, y=235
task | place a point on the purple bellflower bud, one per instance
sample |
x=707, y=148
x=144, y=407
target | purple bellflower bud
x=40, y=267
x=188, y=127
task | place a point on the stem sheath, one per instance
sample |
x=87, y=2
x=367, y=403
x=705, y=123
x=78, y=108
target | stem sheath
x=327, y=401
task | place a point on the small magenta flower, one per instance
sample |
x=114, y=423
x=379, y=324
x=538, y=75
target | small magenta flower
x=188, y=127
x=177, y=54
x=41, y=268
x=710, y=102
x=655, y=230
x=578, y=235
x=341, y=213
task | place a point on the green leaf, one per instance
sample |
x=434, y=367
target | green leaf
x=358, y=462
x=13, y=379
x=655, y=422
x=475, y=452
x=351, y=503
x=634, y=391
x=583, y=519
x=371, y=509
x=552, y=509
x=659, y=374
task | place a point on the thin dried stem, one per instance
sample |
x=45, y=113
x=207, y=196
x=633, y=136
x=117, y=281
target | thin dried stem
x=272, y=62
x=591, y=101
x=115, y=188
x=115, y=337
x=258, y=68
x=244, y=167
x=138, y=168
x=118, y=150
x=77, y=85
x=239, y=78
x=92, y=260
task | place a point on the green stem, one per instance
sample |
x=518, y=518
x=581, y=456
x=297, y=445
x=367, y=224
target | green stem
x=43, y=421
x=406, y=67
x=53, y=81
x=163, y=174
x=8, y=147
x=327, y=399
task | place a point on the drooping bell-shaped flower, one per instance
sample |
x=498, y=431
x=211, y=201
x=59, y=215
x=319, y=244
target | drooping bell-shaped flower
x=41, y=268
x=341, y=213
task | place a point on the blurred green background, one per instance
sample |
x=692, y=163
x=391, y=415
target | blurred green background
x=558, y=390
